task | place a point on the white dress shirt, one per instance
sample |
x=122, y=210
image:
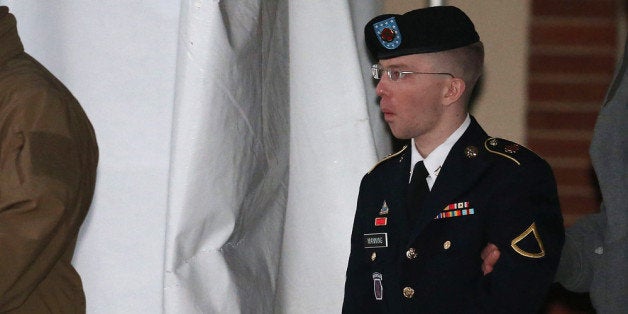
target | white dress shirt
x=434, y=161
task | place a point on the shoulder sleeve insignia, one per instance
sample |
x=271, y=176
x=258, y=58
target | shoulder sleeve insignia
x=388, y=157
x=529, y=243
x=503, y=148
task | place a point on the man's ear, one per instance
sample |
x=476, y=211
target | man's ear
x=454, y=90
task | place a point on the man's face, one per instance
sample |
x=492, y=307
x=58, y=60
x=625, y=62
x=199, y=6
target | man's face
x=412, y=105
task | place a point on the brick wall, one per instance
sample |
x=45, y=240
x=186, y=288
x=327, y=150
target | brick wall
x=573, y=51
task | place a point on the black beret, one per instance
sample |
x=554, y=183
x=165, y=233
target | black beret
x=425, y=30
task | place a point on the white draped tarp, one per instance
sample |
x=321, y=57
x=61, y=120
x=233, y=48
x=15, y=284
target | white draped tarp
x=233, y=135
x=331, y=147
x=229, y=167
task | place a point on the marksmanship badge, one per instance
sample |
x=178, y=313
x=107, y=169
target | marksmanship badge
x=384, y=209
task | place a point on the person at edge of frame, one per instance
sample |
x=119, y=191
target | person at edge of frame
x=595, y=256
x=48, y=160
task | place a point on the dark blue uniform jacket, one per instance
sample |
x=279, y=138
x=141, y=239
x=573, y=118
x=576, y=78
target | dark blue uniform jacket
x=488, y=190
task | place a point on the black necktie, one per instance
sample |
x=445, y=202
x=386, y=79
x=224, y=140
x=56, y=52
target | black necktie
x=417, y=190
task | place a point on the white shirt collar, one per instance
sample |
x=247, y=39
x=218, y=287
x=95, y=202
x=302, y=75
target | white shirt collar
x=434, y=161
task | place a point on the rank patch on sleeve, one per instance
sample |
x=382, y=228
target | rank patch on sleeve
x=375, y=240
x=529, y=243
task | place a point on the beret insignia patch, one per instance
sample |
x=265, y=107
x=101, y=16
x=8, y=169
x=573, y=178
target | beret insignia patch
x=387, y=32
x=387, y=35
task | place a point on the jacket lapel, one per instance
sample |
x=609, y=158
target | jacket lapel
x=398, y=184
x=456, y=176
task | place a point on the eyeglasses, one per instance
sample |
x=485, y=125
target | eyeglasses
x=394, y=75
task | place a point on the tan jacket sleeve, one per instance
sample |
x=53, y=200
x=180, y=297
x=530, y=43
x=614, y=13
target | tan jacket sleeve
x=40, y=166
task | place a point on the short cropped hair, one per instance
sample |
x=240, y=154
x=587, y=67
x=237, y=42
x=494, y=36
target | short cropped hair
x=465, y=62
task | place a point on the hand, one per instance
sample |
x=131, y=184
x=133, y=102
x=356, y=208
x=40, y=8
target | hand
x=489, y=255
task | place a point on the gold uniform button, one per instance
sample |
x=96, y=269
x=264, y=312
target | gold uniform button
x=447, y=245
x=408, y=292
x=373, y=256
x=411, y=253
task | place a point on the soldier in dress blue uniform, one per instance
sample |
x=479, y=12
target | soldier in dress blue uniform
x=425, y=213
